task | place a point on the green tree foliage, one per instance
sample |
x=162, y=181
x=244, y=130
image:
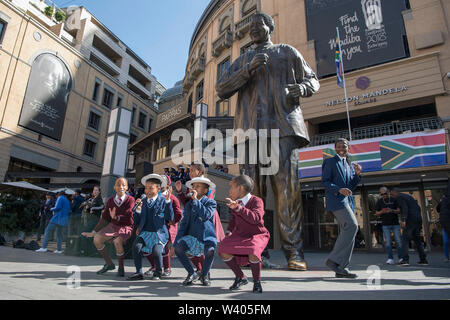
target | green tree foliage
x=18, y=214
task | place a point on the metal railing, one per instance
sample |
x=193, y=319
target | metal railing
x=198, y=66
x=225, y=40
x=242, y=27
x=388, y=129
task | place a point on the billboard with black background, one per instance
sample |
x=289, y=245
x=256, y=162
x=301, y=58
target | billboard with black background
x=371, y=32
x=46, y=97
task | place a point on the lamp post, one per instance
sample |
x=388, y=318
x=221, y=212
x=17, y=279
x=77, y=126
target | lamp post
x=200, y=126
x=116, y=151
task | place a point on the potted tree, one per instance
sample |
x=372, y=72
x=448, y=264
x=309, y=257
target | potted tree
x=48, y=11
x=60, y=16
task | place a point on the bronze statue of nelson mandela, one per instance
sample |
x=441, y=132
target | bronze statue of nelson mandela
x=270, y=80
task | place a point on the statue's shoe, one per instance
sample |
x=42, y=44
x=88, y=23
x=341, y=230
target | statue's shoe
x=296, y=264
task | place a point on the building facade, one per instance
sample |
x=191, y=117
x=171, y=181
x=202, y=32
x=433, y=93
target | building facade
x=59, y=82
x=397, y=62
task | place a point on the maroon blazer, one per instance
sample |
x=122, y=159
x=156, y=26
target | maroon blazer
x=248, y=221
x=124, y=213
x=177, y=216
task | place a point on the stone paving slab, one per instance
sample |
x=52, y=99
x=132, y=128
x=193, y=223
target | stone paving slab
x=26, y=274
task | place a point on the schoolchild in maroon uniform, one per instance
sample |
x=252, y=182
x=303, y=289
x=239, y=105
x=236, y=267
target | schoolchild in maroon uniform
x=246, y=236
x=172, y=226
x=198, y=170
x=116, y=225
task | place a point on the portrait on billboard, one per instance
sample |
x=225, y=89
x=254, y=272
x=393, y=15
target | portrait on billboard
x=46, y=97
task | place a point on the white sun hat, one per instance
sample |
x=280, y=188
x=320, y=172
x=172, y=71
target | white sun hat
x=154, y=176
x=200, y=180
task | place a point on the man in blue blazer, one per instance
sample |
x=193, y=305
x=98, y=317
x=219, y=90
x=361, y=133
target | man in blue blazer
x=150, y=222
x=340, y=178
x=196, y=233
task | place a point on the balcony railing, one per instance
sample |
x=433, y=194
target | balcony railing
x=242, y=27
x=188, y=82
x=388, y=129
x=224, y=41
x=198, y=67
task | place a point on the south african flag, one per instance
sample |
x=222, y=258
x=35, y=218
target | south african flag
x=419, y=149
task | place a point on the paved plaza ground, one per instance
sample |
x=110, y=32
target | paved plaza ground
x=25, y=274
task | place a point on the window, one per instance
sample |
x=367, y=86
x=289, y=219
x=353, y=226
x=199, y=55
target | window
x=142, y=119
x=89, y=148
x=133, y=114
x=222, y=108
x=199, y=91
x=22, y=165
x=248, y=7
x=155, y=104
x=133, y=138
x=190, y=104
x=108, y=97
x=96, y=90
x=94, y=120
x=119, y=100
x=150, y=122
x=225, y=25
x=2, y=29
x=161, y=153
x=223, y=67
x=246, y=48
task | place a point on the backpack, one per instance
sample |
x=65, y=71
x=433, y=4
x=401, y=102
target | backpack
x=33, y=245
x=19, y=244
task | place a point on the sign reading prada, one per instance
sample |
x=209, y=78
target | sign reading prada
x=371, y=32
x=368, y=97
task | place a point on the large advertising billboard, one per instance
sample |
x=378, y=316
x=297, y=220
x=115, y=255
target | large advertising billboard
x=371, y=32
x=46, y=97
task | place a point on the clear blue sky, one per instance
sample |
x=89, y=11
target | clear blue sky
x=158, y=31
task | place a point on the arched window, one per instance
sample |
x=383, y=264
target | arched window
x=225, y=24
x=248, y=6
x=202, y=51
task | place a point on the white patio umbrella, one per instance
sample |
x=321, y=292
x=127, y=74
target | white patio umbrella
x=68, y=191
x=24, y=185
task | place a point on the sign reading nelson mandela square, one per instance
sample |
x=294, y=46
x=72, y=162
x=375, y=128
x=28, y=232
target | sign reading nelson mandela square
x=368, y=97
x=371, y=32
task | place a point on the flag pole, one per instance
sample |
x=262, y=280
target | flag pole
x=345, y=87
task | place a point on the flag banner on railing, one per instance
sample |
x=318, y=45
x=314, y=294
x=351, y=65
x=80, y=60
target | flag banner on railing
x=338, y=60
x=418, y=149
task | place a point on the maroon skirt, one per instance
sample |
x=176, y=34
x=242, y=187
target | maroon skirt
x=112, y=230
x=218, y=227
x=241, y=247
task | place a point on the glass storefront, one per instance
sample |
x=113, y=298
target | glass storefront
x=321, y=228
x=433, y=193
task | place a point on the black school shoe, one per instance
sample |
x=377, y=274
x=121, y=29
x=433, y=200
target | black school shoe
x=135, y=277
x=403, y=263
x=156, y=276
x=121, y=273
x=423, y=262
x=238, y=282
x=106, y=268
x=257, y=288
x=190, y=279
x=346, y=275
x=205, y=280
